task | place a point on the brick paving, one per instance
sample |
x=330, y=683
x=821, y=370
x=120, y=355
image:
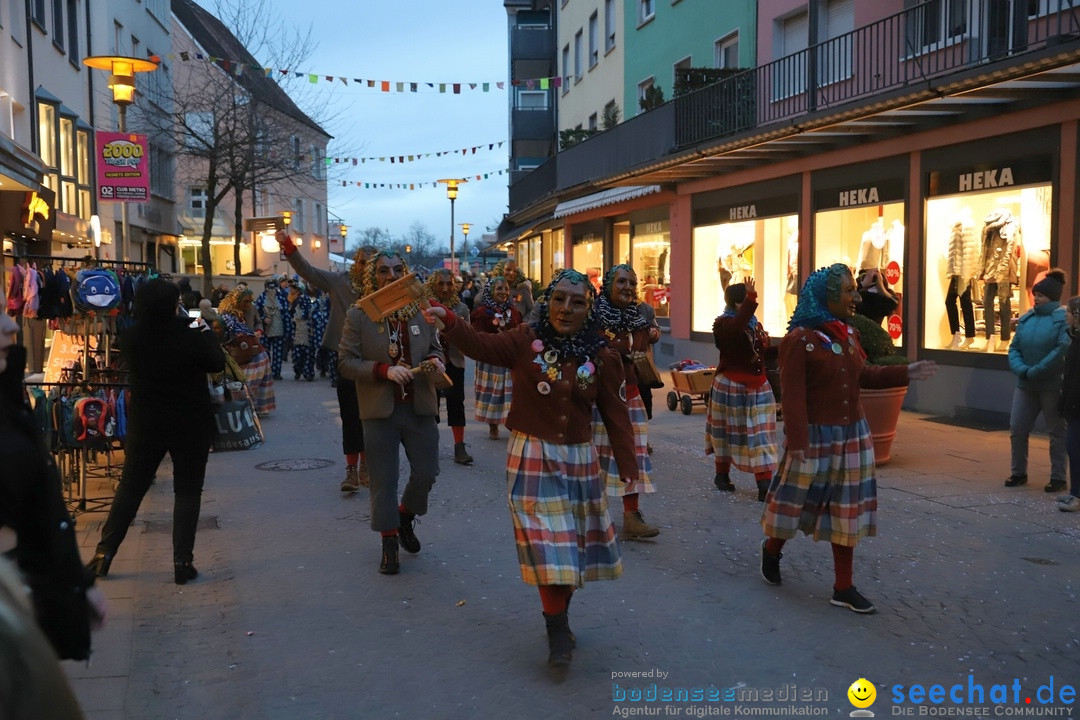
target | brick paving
x=290, y=618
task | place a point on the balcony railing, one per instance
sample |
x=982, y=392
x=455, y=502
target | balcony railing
x=931, y=41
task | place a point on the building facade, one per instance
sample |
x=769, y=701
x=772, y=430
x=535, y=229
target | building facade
x=885, y=140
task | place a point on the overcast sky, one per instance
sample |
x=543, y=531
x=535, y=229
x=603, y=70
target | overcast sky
x=422, y=41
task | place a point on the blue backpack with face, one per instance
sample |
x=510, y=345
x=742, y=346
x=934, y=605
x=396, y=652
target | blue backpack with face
x=96, y=292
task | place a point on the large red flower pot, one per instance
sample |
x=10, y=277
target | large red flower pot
x=882, y=408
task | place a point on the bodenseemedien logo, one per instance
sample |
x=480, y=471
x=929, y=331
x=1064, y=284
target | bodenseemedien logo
x=862, y=694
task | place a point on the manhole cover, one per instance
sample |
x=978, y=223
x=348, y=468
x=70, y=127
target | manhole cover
x=294, y=464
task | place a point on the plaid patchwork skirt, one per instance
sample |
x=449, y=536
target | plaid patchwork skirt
x=740, y=425
x=562, y=528
x=832, y=495
x=260, y=382
x=493, y=391
x=609, y=469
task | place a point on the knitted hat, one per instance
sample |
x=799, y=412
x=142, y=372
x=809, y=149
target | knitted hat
x=1052, y=285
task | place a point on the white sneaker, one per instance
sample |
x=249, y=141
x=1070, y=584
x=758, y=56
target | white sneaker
x=1070, y=505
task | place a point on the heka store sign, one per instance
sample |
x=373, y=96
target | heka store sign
x=123, y=167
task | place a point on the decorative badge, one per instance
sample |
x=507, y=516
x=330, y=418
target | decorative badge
x=392, y=350
x=543, y=388
x=809, y=347
x=551, y=357
x=622, y=391
x=414, y=329
x=837, y=350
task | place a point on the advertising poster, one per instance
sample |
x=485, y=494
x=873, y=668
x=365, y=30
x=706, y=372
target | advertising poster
x=123, y=167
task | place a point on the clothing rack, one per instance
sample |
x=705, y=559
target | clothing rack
x=74, y=462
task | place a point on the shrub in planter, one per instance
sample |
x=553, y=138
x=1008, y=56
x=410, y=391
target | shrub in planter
x=881, y=406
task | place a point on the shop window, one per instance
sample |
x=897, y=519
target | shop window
x=589, y=257
x=763, y=249
x=650, y=250
x=984, y=251
x=870, y=240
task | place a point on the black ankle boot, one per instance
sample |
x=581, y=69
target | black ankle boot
x=184, y=571
x=389, y=564
x=99, y=564
x=560, y=639
x=762, y=489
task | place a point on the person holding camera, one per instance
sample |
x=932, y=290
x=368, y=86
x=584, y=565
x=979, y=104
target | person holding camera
x=878, y=300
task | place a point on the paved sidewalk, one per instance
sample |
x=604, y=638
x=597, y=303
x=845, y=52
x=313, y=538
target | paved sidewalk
x=290, y=618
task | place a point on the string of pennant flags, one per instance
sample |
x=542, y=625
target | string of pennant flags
x=237, y=68
x=402, y=159
x=416, y=185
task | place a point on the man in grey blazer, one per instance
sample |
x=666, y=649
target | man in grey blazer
x=398, y=405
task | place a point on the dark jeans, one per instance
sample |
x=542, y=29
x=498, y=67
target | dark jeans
x=352, y=430
x=965, y=306
x=1072, y=446
x=143, y=454
x=455, y=397
x=1003, y=292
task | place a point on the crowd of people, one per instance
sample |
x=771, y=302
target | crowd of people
x=558, y=369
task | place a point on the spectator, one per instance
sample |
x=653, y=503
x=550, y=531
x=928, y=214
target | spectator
x=169, y=411
x=1070, y=409
x=260, y=378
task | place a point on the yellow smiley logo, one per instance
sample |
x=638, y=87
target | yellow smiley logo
x=862, y=693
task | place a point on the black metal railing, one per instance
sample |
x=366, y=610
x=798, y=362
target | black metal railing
x=926, y=42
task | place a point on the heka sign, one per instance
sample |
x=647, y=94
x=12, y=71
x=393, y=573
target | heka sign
x=986, y=179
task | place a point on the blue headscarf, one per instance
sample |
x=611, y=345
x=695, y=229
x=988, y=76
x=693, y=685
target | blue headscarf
x=823, y=285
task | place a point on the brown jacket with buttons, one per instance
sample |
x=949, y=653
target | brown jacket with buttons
x=562, y=414
x=821, y=387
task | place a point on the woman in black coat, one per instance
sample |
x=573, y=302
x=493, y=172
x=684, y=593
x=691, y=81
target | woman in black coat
x=169, y=411
x=36, y=530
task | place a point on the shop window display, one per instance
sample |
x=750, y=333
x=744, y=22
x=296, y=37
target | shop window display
x=870, y=240
x=649, y=253
x=765, y=249
x=589, y=258
x=986, y=250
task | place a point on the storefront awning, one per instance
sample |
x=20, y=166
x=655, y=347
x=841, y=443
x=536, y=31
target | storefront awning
x=605, y=197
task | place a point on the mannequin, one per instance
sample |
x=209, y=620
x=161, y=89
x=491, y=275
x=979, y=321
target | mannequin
x=33, y=325
x=791, y=294
x=874, y=249
x=1001, y=270
x=963, y=264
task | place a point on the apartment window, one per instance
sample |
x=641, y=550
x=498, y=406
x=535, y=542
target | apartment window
x=643, y=87
x=161, y=171
x=118, y=33
x=646, y=10
x=47, y=133
x=727, y=51
x=837, y=21
x=577, y=56
x=197, y=201
x=58, y=23
x=594, y=40
x=609, y=25
x=294, y=146
x=135, y=45
x=593, y=123
x=792, y=39
x=934, y=23
x=37, y=13
x=320, y=217
x=298, y=215
x=73, y=31
x=83, y=178
x=532, y=100
x=199, y=130
x=566, y=69
x=7, y=115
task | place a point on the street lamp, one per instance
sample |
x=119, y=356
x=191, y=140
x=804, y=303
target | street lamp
x=408, y=255
x=451, y=192
x=465, y=243
x=122, y=83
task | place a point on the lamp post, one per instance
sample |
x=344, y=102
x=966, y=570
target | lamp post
x=465, y=242
x=408, y=255
x=451, y=192
x=122, y=72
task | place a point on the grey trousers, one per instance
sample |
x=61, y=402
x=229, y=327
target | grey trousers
x=419, y=436
x=1026, y=406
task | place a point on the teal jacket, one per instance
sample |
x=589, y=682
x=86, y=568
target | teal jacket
x=1037, y=351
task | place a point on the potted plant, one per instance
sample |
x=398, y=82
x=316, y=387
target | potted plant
x=881, y=405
